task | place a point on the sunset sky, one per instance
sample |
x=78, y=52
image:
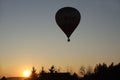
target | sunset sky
x=29, y=35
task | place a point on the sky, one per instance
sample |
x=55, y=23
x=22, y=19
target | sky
x=29, y=35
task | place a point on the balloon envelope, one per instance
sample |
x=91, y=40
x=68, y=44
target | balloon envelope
x=68, y=19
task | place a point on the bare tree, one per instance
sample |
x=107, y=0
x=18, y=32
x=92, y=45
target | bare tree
x=82, y=70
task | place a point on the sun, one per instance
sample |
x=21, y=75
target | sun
x=26, y=73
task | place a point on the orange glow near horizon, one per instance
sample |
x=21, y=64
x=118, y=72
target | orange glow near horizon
x=26, y=73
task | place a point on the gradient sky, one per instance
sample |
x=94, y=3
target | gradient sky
x=29, y=35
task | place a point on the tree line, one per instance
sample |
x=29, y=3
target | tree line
x=103, y=72
x=100, y=72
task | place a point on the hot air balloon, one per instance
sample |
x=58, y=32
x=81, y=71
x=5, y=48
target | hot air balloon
x=67, y=19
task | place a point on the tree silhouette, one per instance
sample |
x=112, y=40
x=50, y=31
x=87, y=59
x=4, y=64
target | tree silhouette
x=82, y=71
x=52, y=69
x=101, y=72
x=85, y=71
x=33, y=75
x=104, y=72
x=3, y=78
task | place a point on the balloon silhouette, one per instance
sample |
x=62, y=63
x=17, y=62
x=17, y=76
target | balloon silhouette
x=68, y=19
